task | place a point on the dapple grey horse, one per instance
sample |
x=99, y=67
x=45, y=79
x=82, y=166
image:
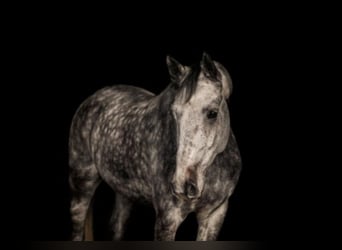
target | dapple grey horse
x=175, y=150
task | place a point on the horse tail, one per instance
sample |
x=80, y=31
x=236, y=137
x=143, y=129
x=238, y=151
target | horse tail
x=88, y=225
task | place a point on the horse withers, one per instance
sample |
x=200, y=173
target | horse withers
x=175, y=150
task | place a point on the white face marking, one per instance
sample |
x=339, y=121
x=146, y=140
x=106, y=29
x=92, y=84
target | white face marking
x=200, y=139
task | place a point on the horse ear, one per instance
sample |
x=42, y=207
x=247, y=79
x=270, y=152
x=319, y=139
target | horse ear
x=208, y=67
x=176, y=70
x=227, y=85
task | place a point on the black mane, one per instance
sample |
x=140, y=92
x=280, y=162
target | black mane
x=188, y=85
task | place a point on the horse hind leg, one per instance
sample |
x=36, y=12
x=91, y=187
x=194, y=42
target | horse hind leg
x=83, y=182
x=88, y=228
x=120, y=215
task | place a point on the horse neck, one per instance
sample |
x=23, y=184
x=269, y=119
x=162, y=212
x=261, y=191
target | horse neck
x=153, y=115
x=160, y=109
x=161, y=128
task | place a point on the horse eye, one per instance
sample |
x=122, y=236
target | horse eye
x=212, y=114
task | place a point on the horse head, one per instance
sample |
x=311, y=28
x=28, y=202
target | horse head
x=201, y=114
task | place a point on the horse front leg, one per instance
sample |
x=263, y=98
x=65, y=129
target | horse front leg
x=210, y=222
x=121, y=212
x=168, y=219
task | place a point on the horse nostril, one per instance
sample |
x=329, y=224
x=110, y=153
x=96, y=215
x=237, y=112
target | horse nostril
x=190, y=190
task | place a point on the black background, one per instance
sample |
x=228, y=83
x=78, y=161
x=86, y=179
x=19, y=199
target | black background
x=61, y=66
